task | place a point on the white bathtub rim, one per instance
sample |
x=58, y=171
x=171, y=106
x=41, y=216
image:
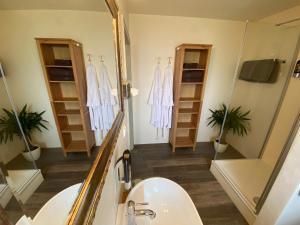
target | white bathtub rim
x=170, y=181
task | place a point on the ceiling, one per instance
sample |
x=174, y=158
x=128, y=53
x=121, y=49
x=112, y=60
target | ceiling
x=219, y=9
x=91, y=5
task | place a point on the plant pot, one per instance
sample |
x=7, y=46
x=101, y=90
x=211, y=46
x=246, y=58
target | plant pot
x=33, y=155
x=220, y=147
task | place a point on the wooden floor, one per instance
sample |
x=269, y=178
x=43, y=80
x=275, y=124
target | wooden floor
x=190, y=170
x=58, y=172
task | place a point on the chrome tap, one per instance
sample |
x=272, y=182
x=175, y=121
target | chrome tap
x=132, y=212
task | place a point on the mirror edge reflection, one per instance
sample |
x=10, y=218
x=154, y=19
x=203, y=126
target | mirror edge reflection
x=85, y=205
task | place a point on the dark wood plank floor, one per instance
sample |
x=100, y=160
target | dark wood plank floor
x=58, y=172
x=190, y=170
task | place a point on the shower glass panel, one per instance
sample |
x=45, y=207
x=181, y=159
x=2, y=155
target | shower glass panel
x=19, y=174
x=8, y=202
x=266, y=64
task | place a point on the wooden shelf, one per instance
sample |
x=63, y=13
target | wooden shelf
x=184, y=142
x=58, y=66
x=193, y=69
x=186, y=125
x=199, y=83
x=62, y=81
x=66, y=94
x=68, y=112
x=76, y=146
x=190, y=73
x=67, y=99
x=189, y=99
x=72, y=128
x=187, y=111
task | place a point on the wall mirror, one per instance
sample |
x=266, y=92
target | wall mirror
x=50, y=139
x=255, y=129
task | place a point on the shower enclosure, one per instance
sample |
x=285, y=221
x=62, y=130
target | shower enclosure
x=245, y=167
x=18, y=180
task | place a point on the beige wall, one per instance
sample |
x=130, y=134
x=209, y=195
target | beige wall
x=153, y=36
x=20, y=56
x=263, y=41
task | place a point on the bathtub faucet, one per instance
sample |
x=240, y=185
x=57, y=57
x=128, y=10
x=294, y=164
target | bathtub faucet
x=132, y=212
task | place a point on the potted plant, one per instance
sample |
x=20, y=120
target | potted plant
x=236, y=122
x=30, y=122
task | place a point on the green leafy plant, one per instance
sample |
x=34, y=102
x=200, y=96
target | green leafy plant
x=236, y=121
x=30, y=122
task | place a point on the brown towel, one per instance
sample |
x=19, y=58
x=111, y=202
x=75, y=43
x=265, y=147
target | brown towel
x=262, y=71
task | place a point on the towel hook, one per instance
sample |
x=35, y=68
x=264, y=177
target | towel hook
x=158, y=60
x=169, y=62
x=101, y=58
x=280, y=60
x=89, y=57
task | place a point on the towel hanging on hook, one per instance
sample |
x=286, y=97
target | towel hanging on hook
x=93, y=98
x=107, y=100
x=155, y=97
x=167, y=98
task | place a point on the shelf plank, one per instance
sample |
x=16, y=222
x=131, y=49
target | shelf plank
x=187, y=111
x=76, y=146
x=62, y=81
x=58, y=66
x=72, y=128
x=69, y=112
x=194, y=83
x=67, y=99
x=189, y=99
x=186, y=125
x=193, y=69
x=184, y=142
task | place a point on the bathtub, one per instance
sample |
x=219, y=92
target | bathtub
x=167, y=199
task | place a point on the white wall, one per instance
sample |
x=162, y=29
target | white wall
x=20, y=56
x=290, y=214
x=263, y=41
x=153, y=36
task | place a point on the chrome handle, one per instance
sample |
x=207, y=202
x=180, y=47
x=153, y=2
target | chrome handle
x=142, y=203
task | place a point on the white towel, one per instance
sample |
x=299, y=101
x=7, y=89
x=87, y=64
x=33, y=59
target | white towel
x=155, y=98
x=107, y=100
x=167, y=98
x=93, y=97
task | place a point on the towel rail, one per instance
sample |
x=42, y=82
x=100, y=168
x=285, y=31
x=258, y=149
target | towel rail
x=280, y=60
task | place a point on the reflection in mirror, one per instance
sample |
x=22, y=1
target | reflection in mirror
x=251, y=143
x=52, y=82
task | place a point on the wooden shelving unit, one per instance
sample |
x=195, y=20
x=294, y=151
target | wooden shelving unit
x=190, y=74
x=64, y=72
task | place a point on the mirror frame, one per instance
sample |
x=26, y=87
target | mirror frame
x=85, y=205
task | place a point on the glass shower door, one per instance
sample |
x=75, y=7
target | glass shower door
x=243, y=156
x=19, y=177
